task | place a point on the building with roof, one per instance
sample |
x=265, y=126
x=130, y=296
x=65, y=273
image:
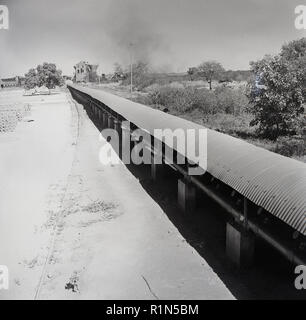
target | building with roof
x=85, y=72
x=11, y=82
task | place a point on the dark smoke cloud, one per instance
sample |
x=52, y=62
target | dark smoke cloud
x=128, y=31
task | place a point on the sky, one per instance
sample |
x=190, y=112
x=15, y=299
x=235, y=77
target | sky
x=171, y=35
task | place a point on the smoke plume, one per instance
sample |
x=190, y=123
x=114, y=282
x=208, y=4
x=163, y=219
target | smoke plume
x=131, y=34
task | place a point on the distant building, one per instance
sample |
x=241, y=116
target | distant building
x=117, y=76
x=85, y=72
x=11, y=82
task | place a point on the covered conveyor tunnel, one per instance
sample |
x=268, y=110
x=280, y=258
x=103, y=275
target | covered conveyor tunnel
x=263, y=192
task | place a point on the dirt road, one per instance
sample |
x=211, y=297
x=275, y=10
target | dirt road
x=73, y=228
x=35, y=161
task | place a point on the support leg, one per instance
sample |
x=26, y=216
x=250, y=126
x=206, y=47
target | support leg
x=186, y=196
x=117, y=127
x=240, y=245
x=110, y=122
x=157, y=171
x=104, y=120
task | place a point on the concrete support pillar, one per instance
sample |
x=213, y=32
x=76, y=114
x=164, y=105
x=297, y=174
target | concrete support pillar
x=186, y=194
x=240, y=245
x=104, y=120
x=117, y=126
x=110, y=122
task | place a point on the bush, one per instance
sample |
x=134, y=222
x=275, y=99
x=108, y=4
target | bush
x=290, y=146
x=142, y=98
x=233, y=101
x=230, y=124
x=206, y=101
x=142, y=81
x=184, y=99
x=175, y=98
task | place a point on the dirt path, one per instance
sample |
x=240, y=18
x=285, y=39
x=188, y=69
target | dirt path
x=77, y=229
x=35, y=161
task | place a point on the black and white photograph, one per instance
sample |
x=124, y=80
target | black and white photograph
x=152, y=153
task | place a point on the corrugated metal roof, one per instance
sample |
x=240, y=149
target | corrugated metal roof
x=272, y=181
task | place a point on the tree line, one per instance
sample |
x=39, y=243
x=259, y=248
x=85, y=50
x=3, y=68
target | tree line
x=276, y=86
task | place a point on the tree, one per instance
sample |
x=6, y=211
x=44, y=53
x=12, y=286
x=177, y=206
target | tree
x=118, y=68
x=118, y=72
x=140, y=70
x=210, y=70
x=44, y=75
x=140, y=74
x=192, y=71
x=31, y=79
x=276, y=96
x=294, y=50
x=295, y=53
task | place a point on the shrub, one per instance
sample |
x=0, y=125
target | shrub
x=142, y=98
x=233, y=101
x=206, y=101
x=290, y=146
x=179, y=99
x=142, y=81
x=230, y=124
